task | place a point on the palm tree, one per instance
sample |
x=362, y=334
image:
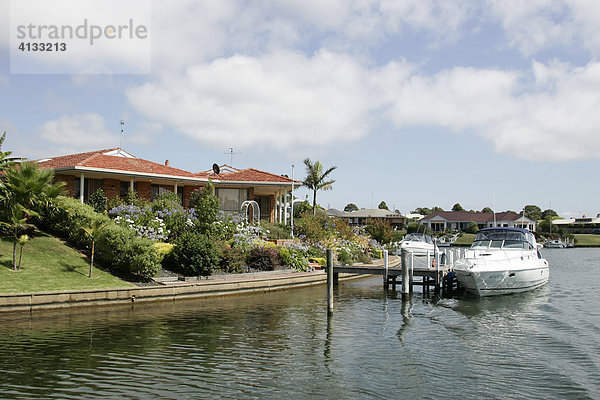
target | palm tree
x=17, y=218
x=22, y=240
x=5, y=159
x=93, y=232
x=31, y=186
x=316, y=179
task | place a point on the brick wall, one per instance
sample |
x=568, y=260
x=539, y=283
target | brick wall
x=69, y=181
x=112, y=188
x=143, y=190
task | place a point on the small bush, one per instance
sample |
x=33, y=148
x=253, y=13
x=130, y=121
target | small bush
x=293, y=258
x=193, y=255
x=264, y=259
x=98, y=201
x=163, y=249
x=381, y=231
x=275, y=231
x=206, y=206
x=120, y=249
x=232, y=260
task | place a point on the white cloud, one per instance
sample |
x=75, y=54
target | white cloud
x=554, y=118
x=283, y=100
x=536, y=25
x=79, y=132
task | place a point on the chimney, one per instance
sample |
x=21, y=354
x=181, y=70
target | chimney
x=167, y=163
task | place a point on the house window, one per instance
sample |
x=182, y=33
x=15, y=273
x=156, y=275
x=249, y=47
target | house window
x=180, y=194
x=124, y=189
x=231, y=199
x=89, y=187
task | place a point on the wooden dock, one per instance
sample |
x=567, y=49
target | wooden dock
x=430, y=271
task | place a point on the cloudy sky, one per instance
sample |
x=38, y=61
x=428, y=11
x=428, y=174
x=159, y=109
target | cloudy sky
x=417, y=102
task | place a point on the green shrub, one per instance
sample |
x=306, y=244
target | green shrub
x=344, y=257
x=193, y=255
x=275, y=231
x=318, y=260
x=66, y=218
x=163, y=249
x=232, y=260
x=293, y=258
x=98, y=201
x=472, y=228
x=264, y=259
x=206, y=206
x=121, y=250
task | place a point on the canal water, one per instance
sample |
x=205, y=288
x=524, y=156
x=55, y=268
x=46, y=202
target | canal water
x=542, y=344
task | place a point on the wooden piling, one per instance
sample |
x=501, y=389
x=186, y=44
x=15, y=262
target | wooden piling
x=329, y=282
x=405, y=256
x=385, y=269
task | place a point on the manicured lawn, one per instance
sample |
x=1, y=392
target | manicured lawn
x=465, y=240
x=587, y=240
x=48, y=265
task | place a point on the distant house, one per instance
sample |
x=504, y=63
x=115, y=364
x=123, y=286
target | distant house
x=460, y=220
x=362, y=217
x=578, y=225
x=115, y=171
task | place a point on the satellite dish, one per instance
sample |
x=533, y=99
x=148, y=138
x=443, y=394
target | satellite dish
x=216, y=169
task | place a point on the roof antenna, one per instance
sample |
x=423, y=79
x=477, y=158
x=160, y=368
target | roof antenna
x=122, y=123
x=231, y=153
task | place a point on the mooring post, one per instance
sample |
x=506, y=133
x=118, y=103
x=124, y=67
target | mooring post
x=385, y=269
x=405, y=256
x=412, y=274
x=329, y=282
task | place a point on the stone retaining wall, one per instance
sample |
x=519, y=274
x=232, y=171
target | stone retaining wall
x=200, y=289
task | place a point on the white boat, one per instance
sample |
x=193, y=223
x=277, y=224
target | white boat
x=502, y=261
x=554, y=244
x=446, y=241
x=418, y=243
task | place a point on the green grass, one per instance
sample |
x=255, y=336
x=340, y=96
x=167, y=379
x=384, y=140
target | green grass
x=465, y=240
x=48, y=265
x=587, y=240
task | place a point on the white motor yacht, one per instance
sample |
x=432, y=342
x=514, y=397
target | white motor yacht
x=554, y=244
x=502, y=261
x=418, y=243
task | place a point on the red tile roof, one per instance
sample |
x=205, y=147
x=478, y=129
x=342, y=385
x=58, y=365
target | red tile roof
x=479, y=217
x=98, y=159
x=251, y=175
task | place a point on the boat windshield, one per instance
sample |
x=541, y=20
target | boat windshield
x=504, y=238
x=418, y=237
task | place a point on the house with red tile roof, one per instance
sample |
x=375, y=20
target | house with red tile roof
x=116, y=171
x=459, y=220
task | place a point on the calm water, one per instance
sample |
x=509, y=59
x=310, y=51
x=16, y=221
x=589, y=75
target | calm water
x=543, y=344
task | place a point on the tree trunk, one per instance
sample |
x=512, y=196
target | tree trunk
x=314, y=202
x=15, y=255
x=20, y=257
x=92, y=261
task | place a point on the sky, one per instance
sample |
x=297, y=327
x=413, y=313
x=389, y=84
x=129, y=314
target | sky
x=419, y=103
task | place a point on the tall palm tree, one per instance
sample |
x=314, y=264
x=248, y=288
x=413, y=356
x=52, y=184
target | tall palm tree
x=316, y=179
x=5, y=159
x=93, y=232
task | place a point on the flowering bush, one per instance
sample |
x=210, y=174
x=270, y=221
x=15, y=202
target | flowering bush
x=248, y=237
x=294, y=258
x=140, y=220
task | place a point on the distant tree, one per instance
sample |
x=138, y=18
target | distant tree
x=351, y=207
x=487, y=210
x=316, y=179
x=413, y=227
x=436, y=209
x=383, y=206
x=533, y=212
x=422, y=211
x=381, y=231
x=457, y=207
x=301, y=207
x=550, y=213
x=472, y=228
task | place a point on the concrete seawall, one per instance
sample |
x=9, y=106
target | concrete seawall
x=199, y=289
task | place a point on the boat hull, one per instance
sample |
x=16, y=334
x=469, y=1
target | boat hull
x=485, y=277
